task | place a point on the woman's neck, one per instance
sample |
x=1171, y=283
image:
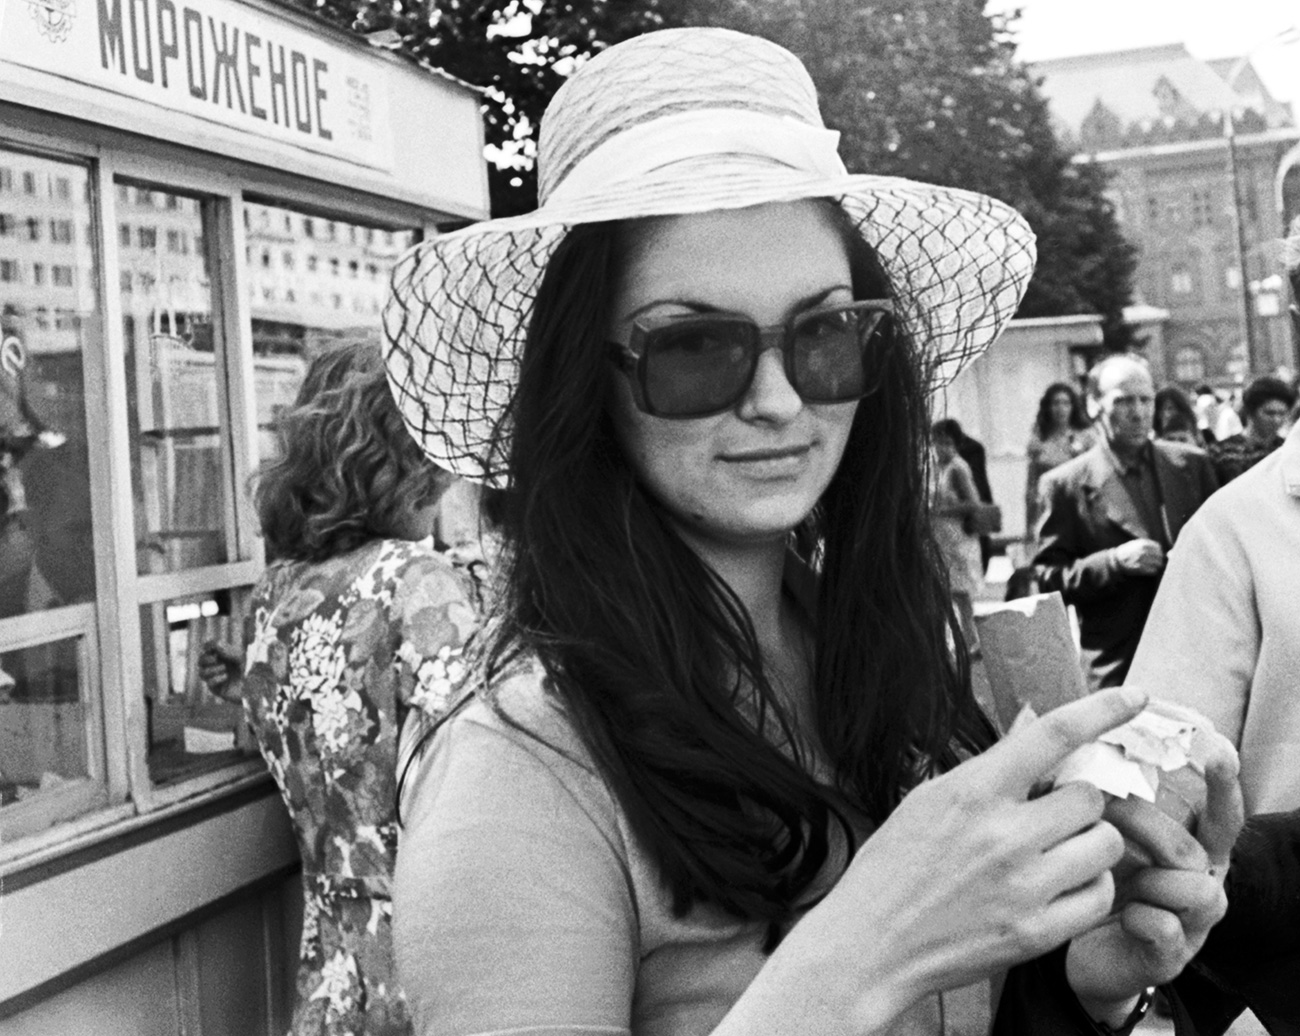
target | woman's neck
x=754, y=572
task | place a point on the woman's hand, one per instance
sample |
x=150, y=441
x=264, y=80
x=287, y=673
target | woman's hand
x=967, y=877
x=1170, y=906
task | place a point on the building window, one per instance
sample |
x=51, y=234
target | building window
x=38, y=274
x=312, y=263
x=32, y=229
x=1189, y=364
x=9, y=271
x=124, y=281
x=62, y=188
x=286, y=260
x=176, y=239
x=6, y=180
x=309, y=227
x=1180, y=280
x=144, y=197
x=334, y=265
x=354, y=268
x=148, y=238
x=124, y=235
x=1202, y=208
x=61, y=276
x=7, y=224
x=61, y=231
x=29, y=183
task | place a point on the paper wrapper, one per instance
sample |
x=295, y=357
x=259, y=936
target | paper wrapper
x=1157, y=756
x=1027, y=647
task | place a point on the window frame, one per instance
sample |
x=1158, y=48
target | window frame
x=109, y=627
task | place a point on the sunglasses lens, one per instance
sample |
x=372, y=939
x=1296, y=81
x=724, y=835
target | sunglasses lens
x=837, y=352
x=698, y=368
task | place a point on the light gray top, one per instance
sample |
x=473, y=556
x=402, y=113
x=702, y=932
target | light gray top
x=523, y=903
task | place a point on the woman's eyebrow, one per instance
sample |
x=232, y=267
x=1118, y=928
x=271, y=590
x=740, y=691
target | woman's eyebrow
x=808, y=302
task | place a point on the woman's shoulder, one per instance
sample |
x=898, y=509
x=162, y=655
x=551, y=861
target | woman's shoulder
x=519, y=704
x=509, y=741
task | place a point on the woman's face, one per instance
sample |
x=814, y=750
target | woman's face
x=1167, y=412
x=944, y=448
x=1061, y=407
x=754, y=472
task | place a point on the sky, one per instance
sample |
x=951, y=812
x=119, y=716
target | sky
x=1209, y=28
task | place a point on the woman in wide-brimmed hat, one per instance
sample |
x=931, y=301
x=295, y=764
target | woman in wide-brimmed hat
x=673, y=801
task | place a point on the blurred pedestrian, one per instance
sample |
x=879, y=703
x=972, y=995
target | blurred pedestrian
x=954, y=500
x=1223, y=637
x=988, y=520
x=1267, y=407
x=1060, y=433
x=1175, y=418
x=356, y=624
x=1110, y=516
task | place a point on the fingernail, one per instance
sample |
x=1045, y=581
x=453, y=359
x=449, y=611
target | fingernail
x=1133, y=696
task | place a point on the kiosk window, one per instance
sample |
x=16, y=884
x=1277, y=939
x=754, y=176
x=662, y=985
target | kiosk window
x=51, y=751
x=295, y=298
x=180, y=463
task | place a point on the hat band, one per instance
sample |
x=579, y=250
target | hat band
x=634, y=153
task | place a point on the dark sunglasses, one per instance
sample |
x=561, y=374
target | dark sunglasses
x=698, y=364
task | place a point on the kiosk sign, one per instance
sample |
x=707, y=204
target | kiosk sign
x=215, y=59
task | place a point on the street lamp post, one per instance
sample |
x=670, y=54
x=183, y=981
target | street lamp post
x=1239, y=228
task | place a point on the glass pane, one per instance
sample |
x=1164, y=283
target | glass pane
x=193, y=728
x=46, y=769
x=180, y=444
x=312, y=282
x=49, y=314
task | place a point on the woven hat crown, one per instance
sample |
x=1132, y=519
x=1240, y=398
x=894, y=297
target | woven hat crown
x=664, y=73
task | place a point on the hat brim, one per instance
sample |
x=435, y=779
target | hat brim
x=458, y=314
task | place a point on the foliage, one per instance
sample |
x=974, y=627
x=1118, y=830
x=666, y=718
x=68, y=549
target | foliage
x=519, y=51
x=928, y=89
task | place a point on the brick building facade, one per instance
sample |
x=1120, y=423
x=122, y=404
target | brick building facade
x=1157, y=118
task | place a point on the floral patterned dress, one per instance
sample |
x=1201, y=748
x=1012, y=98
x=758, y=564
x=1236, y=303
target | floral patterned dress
x=340, y=653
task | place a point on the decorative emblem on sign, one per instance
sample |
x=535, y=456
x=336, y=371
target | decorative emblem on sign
x=53, y=17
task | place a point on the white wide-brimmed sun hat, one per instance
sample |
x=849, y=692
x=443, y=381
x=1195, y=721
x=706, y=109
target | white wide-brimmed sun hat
x=674, y=122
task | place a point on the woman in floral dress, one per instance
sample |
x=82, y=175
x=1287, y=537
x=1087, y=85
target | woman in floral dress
x=357, y=626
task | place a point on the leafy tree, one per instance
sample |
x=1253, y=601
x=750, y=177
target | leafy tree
x=928, y=89
x=520, y=51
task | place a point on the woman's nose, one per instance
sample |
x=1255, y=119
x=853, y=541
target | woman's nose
x=771, y=397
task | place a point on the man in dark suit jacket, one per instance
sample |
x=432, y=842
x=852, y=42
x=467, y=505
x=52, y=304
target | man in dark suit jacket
x=1110, y=515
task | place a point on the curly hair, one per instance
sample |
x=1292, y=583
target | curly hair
x=347, y=471
x=1266, y=390
x=1043, y=421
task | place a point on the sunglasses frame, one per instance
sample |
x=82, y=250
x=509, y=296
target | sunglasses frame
x=632, y=358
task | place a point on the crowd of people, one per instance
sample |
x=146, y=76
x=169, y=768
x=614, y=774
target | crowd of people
x=697, y=753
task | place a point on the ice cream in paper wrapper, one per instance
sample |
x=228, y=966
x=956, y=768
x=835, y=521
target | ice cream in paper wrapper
x=1159, y=755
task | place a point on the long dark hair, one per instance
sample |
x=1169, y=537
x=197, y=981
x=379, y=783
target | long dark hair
x=1043, y=422
x=1175, y=396
x=347, y=471
x=655, y=659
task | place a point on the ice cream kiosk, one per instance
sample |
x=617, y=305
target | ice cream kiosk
x=194, y=196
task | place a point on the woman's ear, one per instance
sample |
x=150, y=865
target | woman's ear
x=1092, y=407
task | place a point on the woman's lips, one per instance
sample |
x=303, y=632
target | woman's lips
x=776, y=462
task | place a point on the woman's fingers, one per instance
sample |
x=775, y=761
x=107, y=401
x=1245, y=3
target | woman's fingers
x=1225, y=813
x=1197, y=900
x=1082, y=858
x=1018, y=762
x=1167, y=841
